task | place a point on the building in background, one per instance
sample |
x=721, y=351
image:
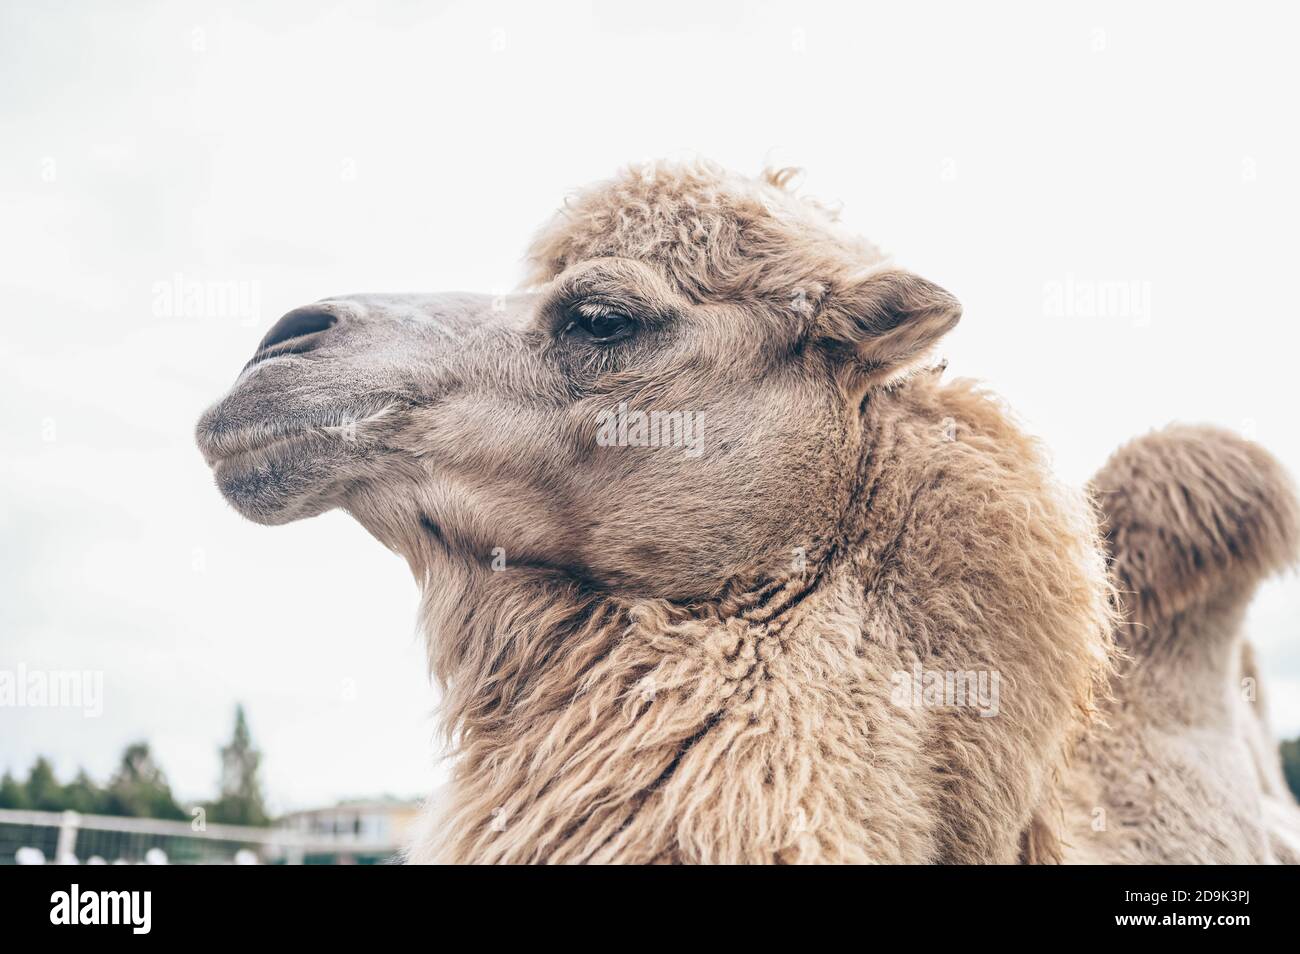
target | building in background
x=351, y=832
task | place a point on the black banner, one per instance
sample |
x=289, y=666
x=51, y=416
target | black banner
x=358, y=904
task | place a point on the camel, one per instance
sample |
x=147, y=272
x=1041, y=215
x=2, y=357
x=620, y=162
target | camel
x=718, y=567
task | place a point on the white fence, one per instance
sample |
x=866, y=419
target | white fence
x=69, y=838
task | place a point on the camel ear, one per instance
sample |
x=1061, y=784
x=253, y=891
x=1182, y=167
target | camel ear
x=887, y=318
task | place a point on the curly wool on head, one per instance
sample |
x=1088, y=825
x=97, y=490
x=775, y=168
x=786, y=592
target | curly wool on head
x=718, y=235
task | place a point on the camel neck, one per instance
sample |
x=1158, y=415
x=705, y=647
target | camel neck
x=569, y=716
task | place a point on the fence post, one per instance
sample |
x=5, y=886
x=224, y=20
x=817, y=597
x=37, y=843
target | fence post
x=66, y=850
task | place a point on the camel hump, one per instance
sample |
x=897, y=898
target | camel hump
x=1192, y=512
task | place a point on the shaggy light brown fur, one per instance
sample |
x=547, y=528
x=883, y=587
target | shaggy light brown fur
x=759, y=724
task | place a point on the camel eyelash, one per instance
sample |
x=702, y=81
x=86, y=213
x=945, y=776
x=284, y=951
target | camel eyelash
x=593, y=316
x=601, y=325
x=644, y=314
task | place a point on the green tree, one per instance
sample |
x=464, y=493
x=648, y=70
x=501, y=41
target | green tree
x=83, y=795
x=240, y=801
x=139, y=788
x=44, y=793
x=13, y=794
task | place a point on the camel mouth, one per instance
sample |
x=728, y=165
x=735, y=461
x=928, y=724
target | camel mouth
x=276, y=461
x=223, y=449
x=226, y=457
x=274, y=476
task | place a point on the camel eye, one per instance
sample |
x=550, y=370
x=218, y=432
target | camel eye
x=606, y=326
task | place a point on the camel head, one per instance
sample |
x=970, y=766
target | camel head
x=690, y=342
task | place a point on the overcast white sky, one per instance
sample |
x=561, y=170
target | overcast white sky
x=309, y=149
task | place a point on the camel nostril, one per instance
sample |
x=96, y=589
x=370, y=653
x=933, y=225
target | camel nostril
x=297, y=324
